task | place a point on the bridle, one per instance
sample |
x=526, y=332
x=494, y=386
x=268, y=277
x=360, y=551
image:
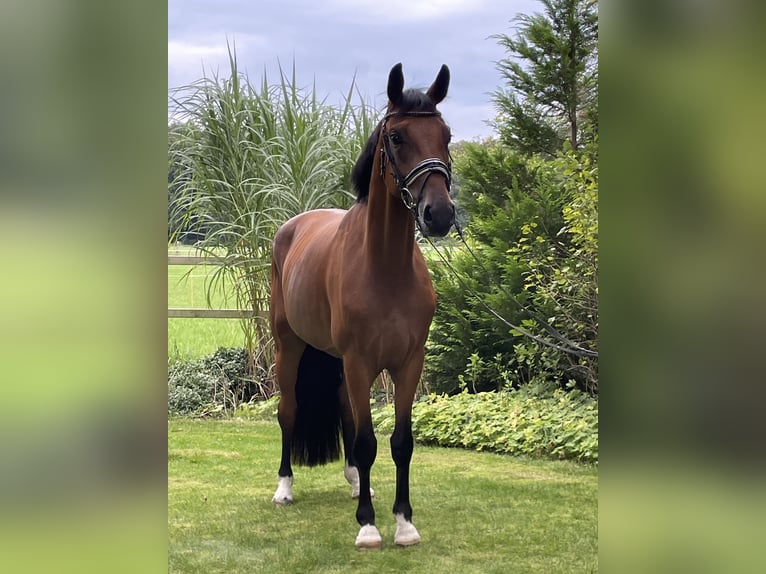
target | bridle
x=428, y=166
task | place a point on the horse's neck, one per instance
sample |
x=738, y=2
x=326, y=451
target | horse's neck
x=390, y=233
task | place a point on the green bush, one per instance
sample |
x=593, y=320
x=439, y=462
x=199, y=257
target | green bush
x=217, y=383
x=533, y=226
x=501, y=191
x=536, y=421
x=265, y=410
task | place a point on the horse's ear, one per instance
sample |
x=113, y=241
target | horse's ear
x=395, y=84
x=438, y=90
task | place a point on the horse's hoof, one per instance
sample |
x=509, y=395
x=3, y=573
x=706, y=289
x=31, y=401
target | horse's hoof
x=406, y=533
x=284, y=493
x=369, y=538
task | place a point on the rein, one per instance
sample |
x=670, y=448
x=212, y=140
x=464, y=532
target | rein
x=428, y=166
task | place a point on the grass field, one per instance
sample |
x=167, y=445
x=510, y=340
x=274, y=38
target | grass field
x=194, y=338
x=476, y=512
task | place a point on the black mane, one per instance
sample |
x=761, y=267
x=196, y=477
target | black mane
x=412, y=101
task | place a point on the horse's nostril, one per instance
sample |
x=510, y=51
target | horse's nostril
x=427, y=214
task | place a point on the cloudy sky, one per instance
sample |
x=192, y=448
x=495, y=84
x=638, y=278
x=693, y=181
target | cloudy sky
x=332, y=40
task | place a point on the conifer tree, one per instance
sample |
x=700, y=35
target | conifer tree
x=551, y=78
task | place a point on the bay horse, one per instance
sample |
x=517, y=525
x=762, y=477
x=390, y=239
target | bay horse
x=351, y=296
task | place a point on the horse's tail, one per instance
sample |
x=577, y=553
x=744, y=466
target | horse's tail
x=316, y=437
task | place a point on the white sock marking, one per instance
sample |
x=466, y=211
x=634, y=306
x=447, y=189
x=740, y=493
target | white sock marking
x=406, y=533
x=284, y=493
x=368, y=537
x=352, y=476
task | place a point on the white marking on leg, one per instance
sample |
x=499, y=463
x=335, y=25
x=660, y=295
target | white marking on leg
x=352, y=476
x=284, y=493
x=368, y=537
x=406, y=533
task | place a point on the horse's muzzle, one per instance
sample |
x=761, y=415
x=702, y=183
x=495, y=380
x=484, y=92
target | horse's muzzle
x=437, y=218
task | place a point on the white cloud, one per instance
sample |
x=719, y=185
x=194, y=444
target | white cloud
x=405, y=10
x=180, y=52
x=188, y=57
x=468, y=121
x=334, y=40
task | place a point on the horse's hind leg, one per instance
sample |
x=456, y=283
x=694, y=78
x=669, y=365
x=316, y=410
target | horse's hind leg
x=289, y=349
x=347, y=424
x=288, y=357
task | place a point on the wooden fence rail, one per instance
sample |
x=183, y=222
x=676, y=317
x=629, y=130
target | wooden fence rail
x=190, y=260
x=205, y=313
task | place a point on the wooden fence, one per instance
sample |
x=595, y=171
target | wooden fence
x=204, y=313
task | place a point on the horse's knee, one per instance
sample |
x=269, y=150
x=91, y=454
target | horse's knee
x=365, y=448
x=402, y=444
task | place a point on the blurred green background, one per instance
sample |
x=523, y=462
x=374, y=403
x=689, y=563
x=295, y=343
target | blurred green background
x=682, y=315
x=83, y=287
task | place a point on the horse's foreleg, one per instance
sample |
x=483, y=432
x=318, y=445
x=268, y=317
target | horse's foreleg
x=402, y=444
x=350, y=470
x=358, y=380
x=401, y=452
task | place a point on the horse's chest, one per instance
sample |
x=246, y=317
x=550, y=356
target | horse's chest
x=388, y=323
x=385, y=300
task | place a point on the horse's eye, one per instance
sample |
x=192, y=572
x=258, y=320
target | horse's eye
x=396, y=139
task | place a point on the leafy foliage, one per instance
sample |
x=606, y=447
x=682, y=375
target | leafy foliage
x=503, y=192
x=265, y=410
x=533, y=421
x=561, y=273
x=534, y=228
x=180, y=226
x=218, y=383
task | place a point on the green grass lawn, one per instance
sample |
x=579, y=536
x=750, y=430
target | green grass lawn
x=476, y=512
x=194, y=338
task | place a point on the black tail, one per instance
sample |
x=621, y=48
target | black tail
x=316, y=438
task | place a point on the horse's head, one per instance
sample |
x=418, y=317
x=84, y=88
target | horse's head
x=415, y=143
